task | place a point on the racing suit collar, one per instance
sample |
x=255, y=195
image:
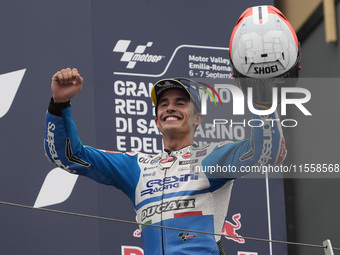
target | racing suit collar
x=180, y=151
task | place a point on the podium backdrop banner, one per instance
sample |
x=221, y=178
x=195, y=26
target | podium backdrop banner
x=120, y=48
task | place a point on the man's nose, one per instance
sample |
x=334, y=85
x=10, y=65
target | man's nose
x=171, y=107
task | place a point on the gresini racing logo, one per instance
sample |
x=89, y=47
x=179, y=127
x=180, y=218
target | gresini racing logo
x=132, y=57
x=168, y=206
x=157, y=185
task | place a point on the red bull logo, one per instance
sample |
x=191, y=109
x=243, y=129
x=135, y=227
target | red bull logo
x=229, y=229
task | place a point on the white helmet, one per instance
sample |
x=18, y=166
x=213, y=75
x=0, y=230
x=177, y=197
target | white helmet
x=263, y=45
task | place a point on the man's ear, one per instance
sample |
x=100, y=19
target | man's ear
x=198, y=118
x=156, y=121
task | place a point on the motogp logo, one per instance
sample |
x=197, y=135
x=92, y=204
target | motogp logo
x=132, y=57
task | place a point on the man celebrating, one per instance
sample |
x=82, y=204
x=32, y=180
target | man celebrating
x=166, y=189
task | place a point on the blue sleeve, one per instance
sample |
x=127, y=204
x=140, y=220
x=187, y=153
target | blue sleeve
x=64, y=149
x=265, y=147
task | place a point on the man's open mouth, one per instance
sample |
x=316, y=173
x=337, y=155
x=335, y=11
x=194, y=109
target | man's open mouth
x=171, y=118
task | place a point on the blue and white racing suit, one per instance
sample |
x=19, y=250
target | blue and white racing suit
x=172, y=189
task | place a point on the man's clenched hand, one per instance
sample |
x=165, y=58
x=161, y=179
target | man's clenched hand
x=66, y=83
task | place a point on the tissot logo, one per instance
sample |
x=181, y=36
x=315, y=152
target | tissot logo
x=9, y=84
x=132, y=57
